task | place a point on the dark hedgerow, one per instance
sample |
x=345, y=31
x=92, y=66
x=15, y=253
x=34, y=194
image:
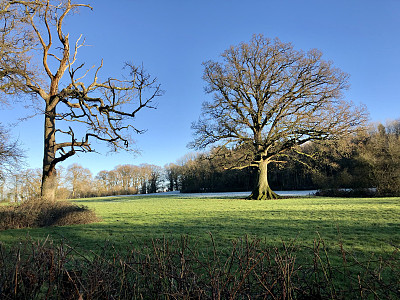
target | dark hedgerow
x=37, y=213
x=347, y=193
x=176, y=269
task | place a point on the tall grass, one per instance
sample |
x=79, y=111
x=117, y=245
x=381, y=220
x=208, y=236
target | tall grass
x=177, y=269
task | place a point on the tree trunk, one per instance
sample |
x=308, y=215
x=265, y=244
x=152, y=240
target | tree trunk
x=49, y=177
x=261, y=190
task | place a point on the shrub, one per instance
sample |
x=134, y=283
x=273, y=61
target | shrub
x=347, y=193
x=38, y=213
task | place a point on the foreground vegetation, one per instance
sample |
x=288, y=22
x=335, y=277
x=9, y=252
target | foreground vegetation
x=39, y=213
x=175, y=269
x=210, y=248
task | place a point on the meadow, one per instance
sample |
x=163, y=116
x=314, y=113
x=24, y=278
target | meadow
x=180, y=247
x=365, y=226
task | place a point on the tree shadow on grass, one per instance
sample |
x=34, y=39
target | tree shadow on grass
x=360, y=236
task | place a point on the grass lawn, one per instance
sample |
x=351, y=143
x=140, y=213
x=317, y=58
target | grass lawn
x=365, y=226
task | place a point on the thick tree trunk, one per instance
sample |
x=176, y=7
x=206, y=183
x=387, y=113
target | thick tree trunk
x=261, y=190
x=49, y=185
x=49, y=177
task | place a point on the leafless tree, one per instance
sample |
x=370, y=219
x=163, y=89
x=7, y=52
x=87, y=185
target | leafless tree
x=11, y=154
x=29, y=183
x=80, y=180
x=128, y=176
x=130, y=179
x=104, y=107
x=103, y=183
x=269, y=98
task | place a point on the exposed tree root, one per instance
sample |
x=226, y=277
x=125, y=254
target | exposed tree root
x=263, y=195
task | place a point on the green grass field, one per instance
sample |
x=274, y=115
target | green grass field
x=363, y=225
x=368, y=230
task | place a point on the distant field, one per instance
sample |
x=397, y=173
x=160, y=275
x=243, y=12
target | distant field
x=363, y=225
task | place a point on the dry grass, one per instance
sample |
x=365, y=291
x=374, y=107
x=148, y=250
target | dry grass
x=176, y=269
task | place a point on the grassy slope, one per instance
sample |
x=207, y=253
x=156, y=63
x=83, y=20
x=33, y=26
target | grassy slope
x=365, y=225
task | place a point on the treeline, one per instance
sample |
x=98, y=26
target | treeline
x=368, y=160
x=76, y=181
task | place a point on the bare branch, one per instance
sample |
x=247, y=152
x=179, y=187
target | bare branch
x=269, y=95
x=104, y=107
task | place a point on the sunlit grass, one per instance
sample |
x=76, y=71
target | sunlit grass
x=362, y=225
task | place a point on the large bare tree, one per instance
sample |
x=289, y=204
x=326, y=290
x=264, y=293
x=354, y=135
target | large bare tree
x=71, y=94
x=270, y=98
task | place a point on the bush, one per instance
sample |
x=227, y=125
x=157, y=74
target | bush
x=347, y=193
x=176, y=269
x=38, y=213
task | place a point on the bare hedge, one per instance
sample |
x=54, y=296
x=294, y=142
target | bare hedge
x=37, y=213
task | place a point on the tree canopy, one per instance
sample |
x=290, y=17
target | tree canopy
x=270, y=98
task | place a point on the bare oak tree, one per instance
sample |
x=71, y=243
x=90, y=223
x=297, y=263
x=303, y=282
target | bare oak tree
x=270, y=98
x=102, y=108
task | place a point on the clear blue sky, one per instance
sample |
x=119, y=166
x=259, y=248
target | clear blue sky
x=172, y=38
